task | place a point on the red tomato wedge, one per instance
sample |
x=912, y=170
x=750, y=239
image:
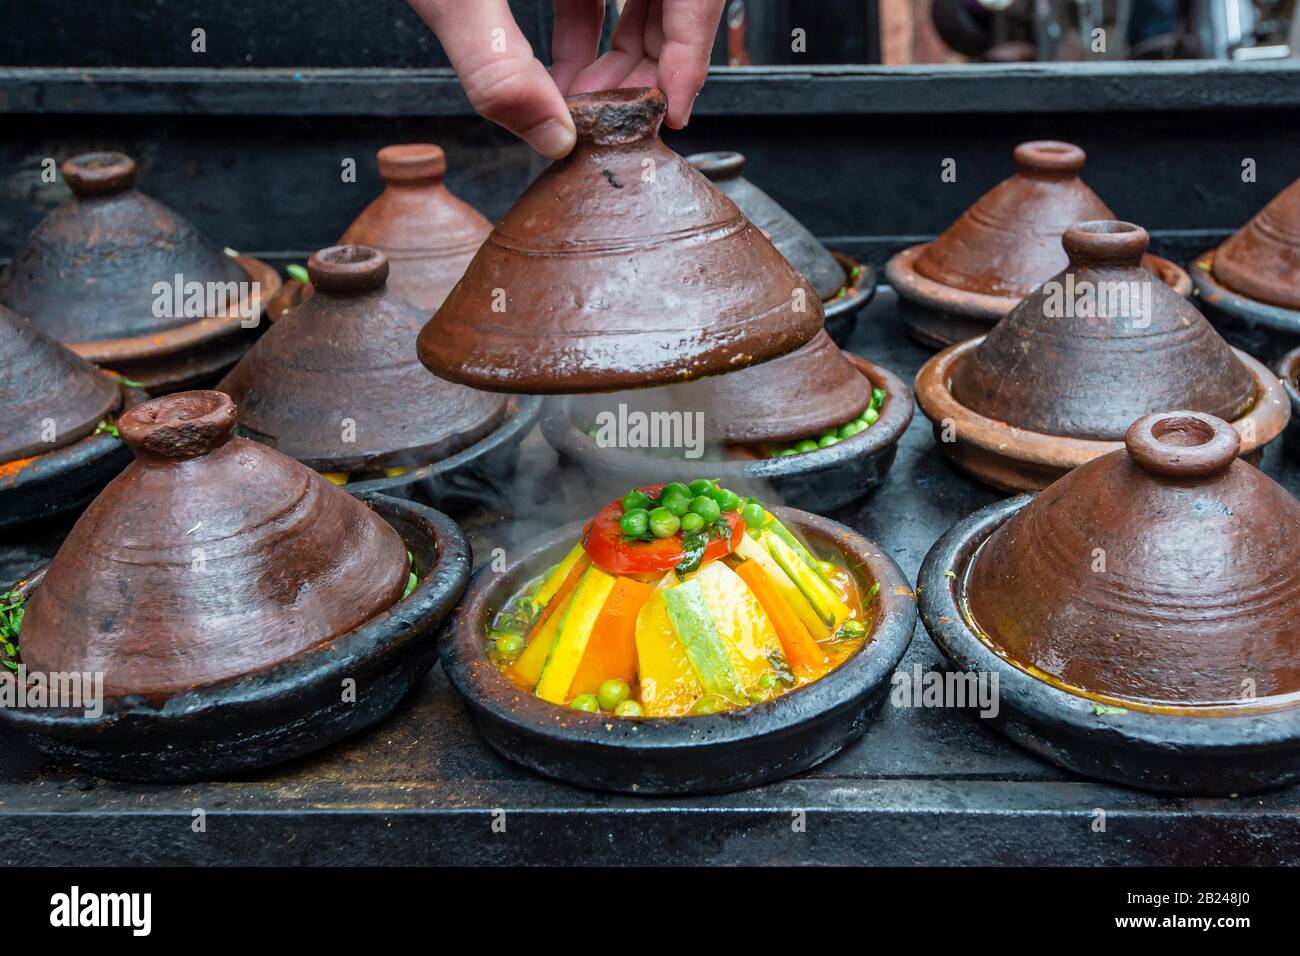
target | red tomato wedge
x=602, y=538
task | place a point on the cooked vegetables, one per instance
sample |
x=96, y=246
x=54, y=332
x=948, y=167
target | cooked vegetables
x=833, y=436
x=727, y=610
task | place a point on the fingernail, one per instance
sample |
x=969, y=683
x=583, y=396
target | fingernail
x=553, y=139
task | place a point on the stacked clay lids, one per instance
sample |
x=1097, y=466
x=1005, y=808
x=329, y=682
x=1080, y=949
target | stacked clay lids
x=1004, y=246
x=798, y=245
x=621, y=266
x=1261, y=260
x=49, y=396
x=428, y=234
x=1198, y=599
x=336, y=384
x=1099, y=345
x=211, y=557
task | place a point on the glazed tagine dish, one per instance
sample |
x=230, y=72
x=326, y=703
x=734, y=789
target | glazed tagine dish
x=128, y=284
x=58, y=437
x=222, y=593
x=428, y=234
x=1002, y=248
x=684, y=639
x=1250, y=286
x=394, y=427
x=620, y=266
x=1142, y=615
x=844, y=285
x=818, y=427
x=1102, y=343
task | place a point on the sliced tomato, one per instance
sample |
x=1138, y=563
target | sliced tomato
x=602, y=538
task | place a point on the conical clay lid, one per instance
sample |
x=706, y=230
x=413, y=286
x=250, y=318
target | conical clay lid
x=1165, y=572
x=428, y=234
x=1061, y=366
x=799, y=246
x=49, y=395
x=619, y=267
x=1261, y=260
x=336, y=384
x=210, y=557
x=88, y=271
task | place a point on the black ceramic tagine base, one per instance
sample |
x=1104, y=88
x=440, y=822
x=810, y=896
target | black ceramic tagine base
x=63, y=480
x=1288, y=369
x=1265, y=331
x=843, y=310
x=708, y=754
x=1201, y=754
x=286, y=712
x=474, y=477
x=820, y=480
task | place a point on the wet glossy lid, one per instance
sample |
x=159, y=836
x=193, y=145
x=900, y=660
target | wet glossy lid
x=1168, y=571
x=621, y=266
x=210, y=557
x=1099, y=345
x=106, y=264
x=1261, y=260
x=336, y=383
x=791, y=239
x=428, y=234
x=49, y=395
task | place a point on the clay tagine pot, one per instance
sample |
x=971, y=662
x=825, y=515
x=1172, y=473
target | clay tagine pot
x=100, y=274
x=57, y=446
x=1100, y=344
x=844, y=285
x=225, y=591
x=1002, y=248
x=428, y=234
x=335, y=383
x=678, y=755
x=1288, y=370
x=621, y=266
x=1142, y=614
x=1250, y=286
x=743, y=419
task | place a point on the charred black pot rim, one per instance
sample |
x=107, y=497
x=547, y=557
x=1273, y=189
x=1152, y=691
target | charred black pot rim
x=1215, y=295
x=1192, y=737
x=428, y=534
x=476, y=678
x=570, y=440
x=512, y=431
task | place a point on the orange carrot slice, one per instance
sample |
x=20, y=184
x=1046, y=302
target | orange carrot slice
x=611, y=652
x=801, y=651
x=527, y=670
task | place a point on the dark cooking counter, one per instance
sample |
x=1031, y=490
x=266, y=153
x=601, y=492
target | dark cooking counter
x=923, y=786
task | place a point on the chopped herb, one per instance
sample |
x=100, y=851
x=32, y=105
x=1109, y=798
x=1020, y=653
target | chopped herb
x=298, y=272
x=781, y=667
x=1102, y=709
x=107, y=427
x=850, y=630
x=129, y=382
x=693, y=545
x=11, y=624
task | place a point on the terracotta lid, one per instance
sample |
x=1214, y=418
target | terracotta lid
x=621, y=266
x=1009, y=242
x=428, y=234
x=791, y=239
x=1051, y=367
x=211, y=557
x=1166, y=572
x=49, y=395
x=335, y=383
x=795, y=396
x=1261, y=260
x=89, y=269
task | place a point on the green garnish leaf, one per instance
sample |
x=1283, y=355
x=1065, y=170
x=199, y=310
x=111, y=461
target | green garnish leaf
x=1102, y=709
x=298, y=272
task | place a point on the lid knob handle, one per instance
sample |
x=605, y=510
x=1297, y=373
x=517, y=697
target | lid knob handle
x=1182, y=444
x=99, y=174
x=348, y=269
x=180, y=426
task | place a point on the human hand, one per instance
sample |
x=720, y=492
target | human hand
x=664, y=43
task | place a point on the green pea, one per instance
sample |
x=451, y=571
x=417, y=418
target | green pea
x=629, y=708
x=877, y=397
x=634, y=522
x=787, y=451
x=850, y=429
x=678, y=504
x=753, y=515
x=635, y=500
x=706, y=508
x=586, y=703
x=702, y=486
x=692, y=522
x=509, y=645
x=612, y=692
x=767, y=681
x=709, y=704
x=870, y=416
x=727, y=499
x=827, y=440
x=663, y=523
x=675, y=488
x=806, y=445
